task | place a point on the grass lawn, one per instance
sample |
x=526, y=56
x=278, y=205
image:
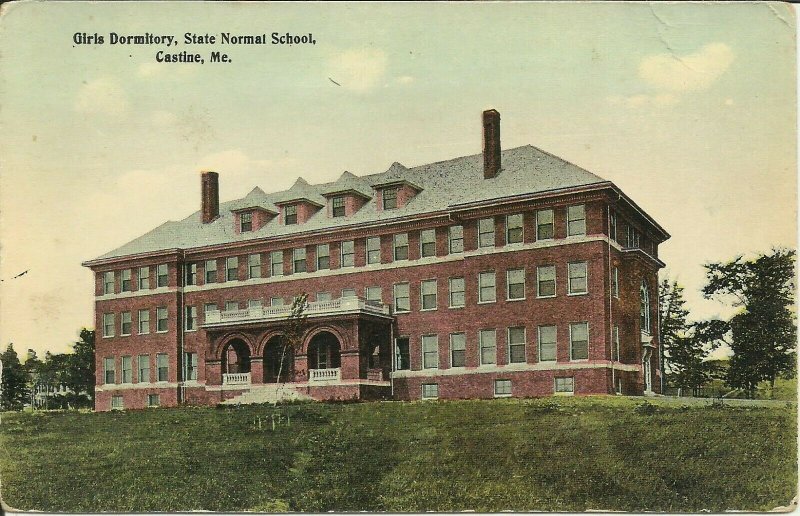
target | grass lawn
x=565, y=454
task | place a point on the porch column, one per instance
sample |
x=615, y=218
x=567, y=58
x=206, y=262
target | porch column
x=213, y=372
x=351, y=364
x=256, y=370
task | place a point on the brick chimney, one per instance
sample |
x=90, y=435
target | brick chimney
x=491, y=143
x=209, y=197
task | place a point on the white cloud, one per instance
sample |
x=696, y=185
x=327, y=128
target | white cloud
x=697, y=71
x=358, y=70
x=105, y=95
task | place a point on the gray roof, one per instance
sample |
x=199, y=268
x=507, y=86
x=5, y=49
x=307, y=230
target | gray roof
x=525, y=170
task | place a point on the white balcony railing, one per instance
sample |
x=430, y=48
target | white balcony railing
x=324, y=375
x=236, y=379
x=315, y=309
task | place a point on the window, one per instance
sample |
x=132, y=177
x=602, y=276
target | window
x=338, y=206
x=127, y=370
x=348, y=292
x=486, y=233
x=403, y=353
x=153, y=400
x=486, y=287
x=190, y=363
x=516, y=345
x=211, y=271
x=633, y=237
x=276, y=301
x=644, y=308
x=402, y=302
x=276, y=263
x=144, y=321
x=579, y=341
x=502, y=388
x=254, y=303
x=427, y=243
x=515, y=284
x=428, y=294
x=374, y=294
x=109, y=374
x=209, y=307
x=162, y=362
x=126, y=280
x=323, y=257
x=324, y=296
x=191, y=274
x=576, y=220
x=144, y=368
x=458, y=350
x=565, y=385
x=430, y=391
x=456, y=239
x=162, y=273
x=488, y=346
x=117, y=403
x=246, y=222
x=231, y=306
x=161, y=319
x=108, y=282
x=401, y=247
x=348, y=253
x=615, y=343
x=389, y=198
x=290, y=215
x=254, y=266
x=544, y=225
x=456, y=292
x=144, y=278
x=126, y=326
x=430, y=351
x=299, y=260
x=514, y=229
x=615, y=282
x=547, y=344
x=108, y=325
x=232, y=268
x=612, y=226
x=191, y=318
x=577, y=278
x=374, y=250
x=546, y=281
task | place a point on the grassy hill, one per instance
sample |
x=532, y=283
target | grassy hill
x=566, y=454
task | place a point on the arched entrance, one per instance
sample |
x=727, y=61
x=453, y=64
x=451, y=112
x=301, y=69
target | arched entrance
x=274, y=354
x=236, y=357
x=324, y=351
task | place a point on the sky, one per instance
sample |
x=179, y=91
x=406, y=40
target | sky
x=689, y=108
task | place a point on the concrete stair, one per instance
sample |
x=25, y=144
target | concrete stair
x=267, y=393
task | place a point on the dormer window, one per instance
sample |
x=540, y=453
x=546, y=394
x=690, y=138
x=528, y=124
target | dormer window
x=338, y=206
x=290, y=214
x=389, y=198
x=246, y=222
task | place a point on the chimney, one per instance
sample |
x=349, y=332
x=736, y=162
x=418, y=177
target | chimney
x=209, y=197
x=491, y=143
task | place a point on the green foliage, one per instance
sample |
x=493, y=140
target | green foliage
x=763, y=334
x=80, y=372
x=564, y=454
x=15, y=381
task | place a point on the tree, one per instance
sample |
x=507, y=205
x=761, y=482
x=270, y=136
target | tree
x=15, y=381
x=672, y=314
x=763, y=332
x=293, y=333
x=80, y=367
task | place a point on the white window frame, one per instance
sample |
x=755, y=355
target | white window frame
x=399, y=241
x=645, y=321
x=615, y=343
x=351, y=254
x=210, y=271
x=273, y=263
x=140, y=320
x=524, y=344
x=540, y=223
x=126, y=378
x=615, y=282
x=503, y=381
x=190, y=367
x=407, y=296
x=190, y=274
x=579, y=220
x=521, y=228
x=368, y=297
x=395, y=191
x=336, y=200
x=232, y=264
x=246, y=219
x=555, y=342
x=159, y=318
x=158, y=367
x=373, y=250
x=324, y=296
x=489, y=241
x=323, y=251
x=254, y=266
x=106, y=282
x=494, y=287
x=123, y=322
x=153, y=396
x=190, y=323
x=422, y=294
x=276, y=301
x=451, y=239
x=570, y=291
x=463, y=292
x=435, y=353
x=429, y=385
x=463, y=350
x=508, y=285
x=127, y=275
x=106, y=325
x=139, y=376
x=298, y=256
x=162, y=272
x=112, y=370
x=349, y=292
x=290, y=211
x=143, y=280
x=571, y=342
x=117, y=402
x=423, y=235
x=539, y=270
x=558, y=392
x=481, y=346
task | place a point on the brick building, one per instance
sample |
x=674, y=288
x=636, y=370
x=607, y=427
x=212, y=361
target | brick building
x=506, y=273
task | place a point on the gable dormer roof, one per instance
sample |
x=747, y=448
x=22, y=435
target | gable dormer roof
x=300, y=191
x=348, y=184
x=397, y=174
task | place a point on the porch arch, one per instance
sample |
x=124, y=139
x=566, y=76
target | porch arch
x=235, y=352
x=324, y=351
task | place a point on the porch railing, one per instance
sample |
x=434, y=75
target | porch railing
x=317, y=308
x=236, y=379
x=324, y=375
